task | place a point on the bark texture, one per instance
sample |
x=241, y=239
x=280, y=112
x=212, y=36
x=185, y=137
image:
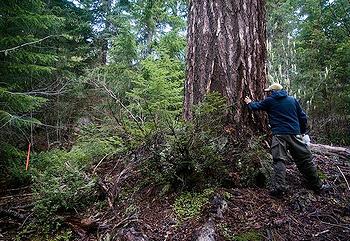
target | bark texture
x=227, y=53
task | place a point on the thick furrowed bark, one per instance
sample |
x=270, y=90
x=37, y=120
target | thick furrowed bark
x=226, y=53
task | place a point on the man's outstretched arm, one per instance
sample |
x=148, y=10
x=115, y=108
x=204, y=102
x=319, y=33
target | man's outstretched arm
x=256, y=105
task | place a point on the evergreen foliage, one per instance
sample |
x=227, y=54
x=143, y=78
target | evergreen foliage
x=60, y=179
x=158, y=90
x=323, y=55
x=121, y=66
x=23, y=22
x=43, y=47
x=309, y=54
x=323, y=49
x=191, y=155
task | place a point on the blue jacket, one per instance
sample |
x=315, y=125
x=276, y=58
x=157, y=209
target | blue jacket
x=285, y=114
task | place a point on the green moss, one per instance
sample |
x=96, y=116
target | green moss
x=228, y=234
x=252, y=235
x=189, y=205
x=321, y=174
x=227, y=195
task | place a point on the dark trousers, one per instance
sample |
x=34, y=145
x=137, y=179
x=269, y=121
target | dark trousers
x=301, y=155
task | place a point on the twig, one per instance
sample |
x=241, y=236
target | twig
x=25, y=44
x=17, y=189
x=117, y=100
x=93, y=172
x=336, y=225
x=25, y=220
x=347, y=184
x=30, y=205
x=128, y=220
x=319, y=233
x=18, y=195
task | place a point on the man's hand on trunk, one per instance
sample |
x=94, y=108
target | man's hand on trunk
x=247, y=100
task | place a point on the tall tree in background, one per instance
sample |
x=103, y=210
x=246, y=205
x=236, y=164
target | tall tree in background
x=323, y=55
x=43, y=48
x=156, y=21
x=144, y=35
x=27, y=61
x=106, y=9
x=226, y=53
x=282, y=23
x=308, y=51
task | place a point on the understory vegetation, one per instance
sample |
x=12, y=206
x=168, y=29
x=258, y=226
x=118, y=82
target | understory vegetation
x=176, y=156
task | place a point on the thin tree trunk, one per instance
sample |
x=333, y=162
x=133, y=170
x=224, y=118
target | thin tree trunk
x=227, y=53
x=105, y=43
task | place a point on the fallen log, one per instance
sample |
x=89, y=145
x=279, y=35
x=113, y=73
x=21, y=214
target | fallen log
x=331, y=151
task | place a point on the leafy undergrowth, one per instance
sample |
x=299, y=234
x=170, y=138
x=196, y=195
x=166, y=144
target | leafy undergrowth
x=132, y=209
x=251, y=214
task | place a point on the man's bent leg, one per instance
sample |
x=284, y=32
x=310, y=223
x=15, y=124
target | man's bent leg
x=279, y=155
x=303, y=159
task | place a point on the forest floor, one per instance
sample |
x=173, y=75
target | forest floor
x=130, y=213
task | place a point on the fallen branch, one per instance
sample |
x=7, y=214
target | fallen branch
x=125, y=222
x=346, y=181
x=336, y=225
x=30, y=205
x=17, y=195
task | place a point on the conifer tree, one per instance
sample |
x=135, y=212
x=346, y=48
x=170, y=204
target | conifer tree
x=227, y=54
x=42, y=48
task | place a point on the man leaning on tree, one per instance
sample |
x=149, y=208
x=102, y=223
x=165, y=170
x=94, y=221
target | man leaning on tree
x=288, y=123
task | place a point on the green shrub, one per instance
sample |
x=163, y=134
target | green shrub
x=228, y=234
x=60, y=181
x=322, y=175
x=190, y=155
x=62, y=234
x=13, y=166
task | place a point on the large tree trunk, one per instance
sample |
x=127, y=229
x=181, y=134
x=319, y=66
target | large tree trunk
x=227, y=53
